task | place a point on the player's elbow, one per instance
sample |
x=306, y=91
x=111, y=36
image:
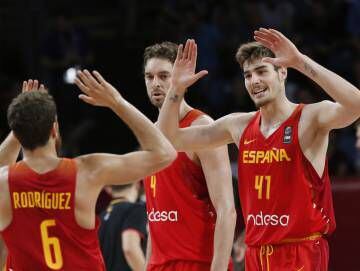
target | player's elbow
x=165, y=157
x=227, y=212
x=130, y=255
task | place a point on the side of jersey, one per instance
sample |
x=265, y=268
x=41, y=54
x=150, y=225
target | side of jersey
x=282, y=196
x=180, y=214
x=43, y=233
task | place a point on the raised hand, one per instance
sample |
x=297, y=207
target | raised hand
x=96, y=90
x=183, y=74
x=32, y=85
x=286, y=53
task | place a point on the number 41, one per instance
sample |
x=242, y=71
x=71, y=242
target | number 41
x=259, y=180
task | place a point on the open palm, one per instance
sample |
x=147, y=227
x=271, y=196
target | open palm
x=96, y=90
x=183, y=74
x=286, y=53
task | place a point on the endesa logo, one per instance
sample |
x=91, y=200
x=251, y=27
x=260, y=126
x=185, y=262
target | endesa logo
x=157, y=216
x=268, y=220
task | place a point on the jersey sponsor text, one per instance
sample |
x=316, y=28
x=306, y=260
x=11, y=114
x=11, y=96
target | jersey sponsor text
x=261, y=219
x=157, y=216
x=266, y=156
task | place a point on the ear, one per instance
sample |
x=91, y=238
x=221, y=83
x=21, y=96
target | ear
x=54, y=130
x=282, y=73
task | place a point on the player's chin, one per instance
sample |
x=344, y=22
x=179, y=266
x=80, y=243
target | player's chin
x=157, y=103
x=261, y=102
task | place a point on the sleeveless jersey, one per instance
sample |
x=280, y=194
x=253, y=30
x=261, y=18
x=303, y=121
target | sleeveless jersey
x=180, y=214
x=282, y=196
x=43, y=233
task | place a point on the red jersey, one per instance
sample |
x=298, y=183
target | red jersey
x=181, y=216
x=282, y=196
x=43, y=233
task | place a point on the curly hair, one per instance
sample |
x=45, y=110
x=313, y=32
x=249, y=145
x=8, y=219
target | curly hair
x=31, y=116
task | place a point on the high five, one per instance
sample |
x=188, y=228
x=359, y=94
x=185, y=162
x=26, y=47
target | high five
x=283, y=180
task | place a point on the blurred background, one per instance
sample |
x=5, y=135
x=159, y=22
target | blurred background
x=49, y=40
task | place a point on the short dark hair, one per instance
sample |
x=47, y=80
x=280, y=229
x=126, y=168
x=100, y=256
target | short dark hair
x=120, y=187
x=165, y=50
x=251, y=51
x=31, y=116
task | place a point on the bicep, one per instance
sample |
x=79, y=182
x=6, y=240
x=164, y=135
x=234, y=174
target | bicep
x=199, y=137
x=331, y=115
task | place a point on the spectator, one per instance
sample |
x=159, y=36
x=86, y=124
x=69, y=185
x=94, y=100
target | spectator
x=123, y=230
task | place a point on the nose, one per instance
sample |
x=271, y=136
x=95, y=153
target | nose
x=156, y=81
x=255, y=79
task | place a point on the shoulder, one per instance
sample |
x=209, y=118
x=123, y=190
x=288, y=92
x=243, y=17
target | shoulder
x=230, y=119
x=90, y=162
x=202, y=120
x=137, y=207
x=238, y=120
x=312, y=113
x=315, y=108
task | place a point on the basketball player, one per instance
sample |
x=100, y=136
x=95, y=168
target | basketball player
x=283, y=178
x=47, y=203
x=190, y=204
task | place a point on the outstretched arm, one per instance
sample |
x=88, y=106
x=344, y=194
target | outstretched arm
x=197, y=137
x=10, y=147
x=216, y=167
x=328, y=115
x=156, y=153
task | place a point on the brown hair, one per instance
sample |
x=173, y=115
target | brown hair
x=31, y=116
x=165, y=50
x=251, y=51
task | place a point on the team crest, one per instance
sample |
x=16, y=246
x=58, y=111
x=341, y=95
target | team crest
x=287, y=135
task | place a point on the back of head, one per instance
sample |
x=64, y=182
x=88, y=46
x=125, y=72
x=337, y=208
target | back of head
x=165, y=50
x=31, y=116
x=252, y=51
x=120, y=188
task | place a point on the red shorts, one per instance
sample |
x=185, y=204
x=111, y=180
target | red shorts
x=179, y=266
x=312, y=255
x=183, y=266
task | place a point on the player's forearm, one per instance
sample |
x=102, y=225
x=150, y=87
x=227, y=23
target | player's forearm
x=223, y=239
x=9, y=150
x=135, y=259
x=149, y=137
x=169, y=116
x=335, y=86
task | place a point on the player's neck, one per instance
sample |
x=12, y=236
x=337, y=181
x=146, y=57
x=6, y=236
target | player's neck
x=276, y=112
x=46, y=153
x=184, y=109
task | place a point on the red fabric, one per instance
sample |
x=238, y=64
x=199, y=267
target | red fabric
x=182, y=266
x=281, y=194
x=44, y=220
x=181, y=216
x=308, y=255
